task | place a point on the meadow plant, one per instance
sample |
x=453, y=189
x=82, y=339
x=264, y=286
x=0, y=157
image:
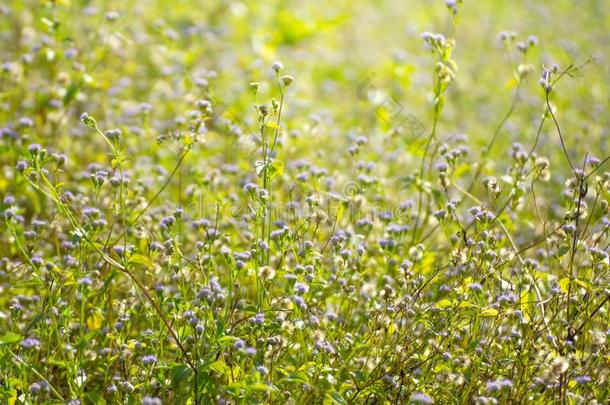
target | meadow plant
x=164, y=242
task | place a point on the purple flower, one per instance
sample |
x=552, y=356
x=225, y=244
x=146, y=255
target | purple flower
x=420, y=398
x=492, y=386
x=34, y=149
x=21, y=166
x=151, y=401
x=26, y=122
x=148, y=359
x=262, y=370
x=259, y=319
x=30, y=343
x=85, y=281
x=475, y=287
x=301, y=288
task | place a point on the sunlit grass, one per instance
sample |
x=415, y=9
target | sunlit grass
x=297, y=202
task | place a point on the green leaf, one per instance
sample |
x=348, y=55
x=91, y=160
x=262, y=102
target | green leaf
x=489, y=312
x=564, y=283
x=10, y=338
x=141, y=259
x=220, y=367
x=71, y=92
x=179, y=375
x=228, y=339
x=261, y=387
x=297, y=377
x=336, y=398
x=276, y=168
x=444, y=303
x=563, y=249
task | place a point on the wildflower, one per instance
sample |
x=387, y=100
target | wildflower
x=287, y=80
x=251, y=187
x=505, y=383
x=34, y=149
x=26, y=122
x=492, y=386
x=30, y=343
x=301, y=288
x=559, y=365
x=262, y=370
x=113, y=134
x=482, y=400
x=148, y=359
x=119, y=250
x=345, y=253
x=259, y=319
x=151, y=401
x=440, y=214
x=545, y=81
x=35, y=388
x=266, y=272
x=21, y=166
x=452, y=5
x=532, y=40
x=88, y=120
x=167, y=222
x=60, y=159
x=8, y=200
x=420, y=398
x=277, y=66
x=475, y=287
x=569, y=228
x=127, y=387
x=70, y=53
x=112, y=16
x=85, y=281
x=387, y=243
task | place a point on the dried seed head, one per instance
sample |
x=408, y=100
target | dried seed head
x=287, y=80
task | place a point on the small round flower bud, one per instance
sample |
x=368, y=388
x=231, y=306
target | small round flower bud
x=263, y=110
x=88, y=120
x=287, y=80
x=34, y=149
x=532, y=40
x=112, y=16
x=21, y=166
x=277, y=66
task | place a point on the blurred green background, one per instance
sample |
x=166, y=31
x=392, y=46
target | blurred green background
x=154, y=52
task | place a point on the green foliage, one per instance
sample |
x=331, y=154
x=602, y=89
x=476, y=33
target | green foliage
x=405, y=216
